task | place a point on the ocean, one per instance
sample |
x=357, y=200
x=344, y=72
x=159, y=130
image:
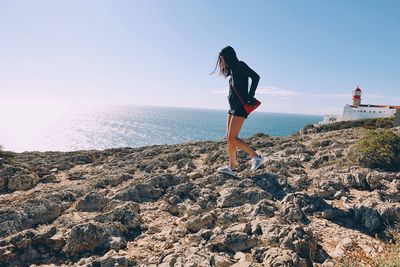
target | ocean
x=131, y=126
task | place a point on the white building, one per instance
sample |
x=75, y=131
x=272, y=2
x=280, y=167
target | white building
x=359, y=111
x=330, y=119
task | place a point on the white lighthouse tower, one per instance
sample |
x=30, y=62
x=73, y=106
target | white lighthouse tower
x=357, y=97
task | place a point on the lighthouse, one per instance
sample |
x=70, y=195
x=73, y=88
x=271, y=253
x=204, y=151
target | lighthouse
x=357, y=97
x=358, y=111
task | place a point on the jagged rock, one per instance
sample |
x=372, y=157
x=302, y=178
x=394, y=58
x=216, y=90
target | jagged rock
x=294, y=237
x=93, y=201
x=265, y=207
x=240, y=227
x=30, y=213
x=232, y=241
x=301, y=241
x=243, y=259
x=220, y=261
x=88, y=237
x=236, y=238
x=291, y=210
x=206, y=198
x=164, y=181
x=172, y=260
x=270, y=183
x=151, y=190
x=235, y=196
x=277, y=257
x=227, y=218
x=113, y=180
x=112, y=259
x=196, y=223
x=328, y=189
x=368, y=217
x=295, y=206
x=16, y=178
x=187, y=208
x=355, y=180
x=140, y=193
x=127, y=214
x=28, y=246
x=318, y=161
x=181, y=191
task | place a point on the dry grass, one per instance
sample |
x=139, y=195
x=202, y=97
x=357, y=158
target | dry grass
x=387, y=256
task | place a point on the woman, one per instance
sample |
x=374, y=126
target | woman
x=239, y=72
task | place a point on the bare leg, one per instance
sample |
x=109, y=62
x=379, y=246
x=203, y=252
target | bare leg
x=234, y=142
x=230, y=148
x=246, y=148
x=228, y=124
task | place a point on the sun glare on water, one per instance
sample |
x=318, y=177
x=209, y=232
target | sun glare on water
x=31, y=124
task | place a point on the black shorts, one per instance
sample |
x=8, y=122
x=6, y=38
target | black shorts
x=238, y=111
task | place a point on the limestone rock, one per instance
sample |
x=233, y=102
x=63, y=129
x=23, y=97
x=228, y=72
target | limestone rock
x=277, y=257
x=234, y=196
x=196, y=223
x=93, y=201
x=368, y=217
x=220, y=261
x=127, y=214
x=88, y=237
x=16, y=178
x=233, y=241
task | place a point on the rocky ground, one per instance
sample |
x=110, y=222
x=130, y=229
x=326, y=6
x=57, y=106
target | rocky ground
x=166, y=205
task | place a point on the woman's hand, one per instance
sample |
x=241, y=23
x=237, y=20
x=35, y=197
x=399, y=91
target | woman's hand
x=251, y=101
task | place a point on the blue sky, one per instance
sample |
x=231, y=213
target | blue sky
x=310, y=54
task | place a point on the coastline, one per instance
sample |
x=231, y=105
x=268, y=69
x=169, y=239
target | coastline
x=133, y=127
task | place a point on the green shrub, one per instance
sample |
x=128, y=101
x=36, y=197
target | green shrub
x=365, y=123
x=379, y=148
x=5, y=154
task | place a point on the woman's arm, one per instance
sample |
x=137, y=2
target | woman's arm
x=255, y=78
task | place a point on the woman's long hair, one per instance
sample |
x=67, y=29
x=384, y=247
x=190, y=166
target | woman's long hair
x=227, y=59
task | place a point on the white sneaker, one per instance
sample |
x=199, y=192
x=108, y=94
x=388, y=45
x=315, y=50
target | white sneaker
x=256, y=162
x=227, y=170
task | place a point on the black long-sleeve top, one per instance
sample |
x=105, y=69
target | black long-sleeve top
x=240, y=81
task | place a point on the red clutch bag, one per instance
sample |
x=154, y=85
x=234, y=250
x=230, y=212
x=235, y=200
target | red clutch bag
x=248, y=108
